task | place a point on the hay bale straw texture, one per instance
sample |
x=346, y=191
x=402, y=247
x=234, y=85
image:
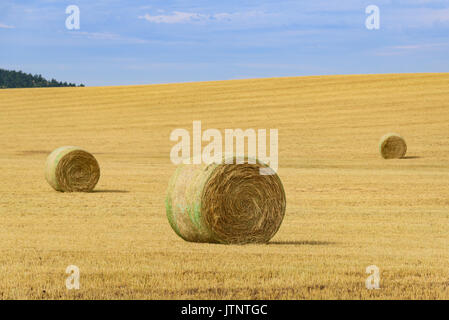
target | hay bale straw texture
x=392, y=146
x=225, y=203
x=72, y=169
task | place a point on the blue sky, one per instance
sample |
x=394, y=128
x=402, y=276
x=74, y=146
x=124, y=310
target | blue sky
x=147, y=41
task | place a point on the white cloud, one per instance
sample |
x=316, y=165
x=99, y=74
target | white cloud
x=409, y=48
x=5, y=26
x=191, y=17
x=98, y=35
x=421, y=46
x=176, y=17
x=106, y=36
x=416, y=18
x=435, y=16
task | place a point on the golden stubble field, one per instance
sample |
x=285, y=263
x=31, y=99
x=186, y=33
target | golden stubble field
x=346, y=207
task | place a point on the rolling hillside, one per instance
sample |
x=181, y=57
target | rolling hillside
x=347, y=208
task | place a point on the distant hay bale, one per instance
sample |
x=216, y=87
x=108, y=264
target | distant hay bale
x=225, y=203
x=392, y=146
x=72, y=169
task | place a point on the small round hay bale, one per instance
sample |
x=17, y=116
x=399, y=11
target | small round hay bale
x=392, y=146
x=225, y=203
x=72, y=169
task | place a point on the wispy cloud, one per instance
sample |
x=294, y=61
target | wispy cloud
x=192, y=17
x=410, y=48
x=176, y=17
x=419, y=46
x=414, y=18
x=115, y=38
x=5, y=26
x=106, y=37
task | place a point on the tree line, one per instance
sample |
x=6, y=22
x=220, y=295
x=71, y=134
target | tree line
x=19, y=79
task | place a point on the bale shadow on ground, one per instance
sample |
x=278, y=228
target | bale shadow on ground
x=110, y=191
x=302, y=243
x=411, y=157
x=32, y=152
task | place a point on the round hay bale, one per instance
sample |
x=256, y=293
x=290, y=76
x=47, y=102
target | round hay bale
x=72, y=169
x=392, y=146
x=225, y=203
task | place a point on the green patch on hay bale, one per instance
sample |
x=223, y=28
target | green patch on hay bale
x=392, y=146
x=72, y=169
x=225, y=203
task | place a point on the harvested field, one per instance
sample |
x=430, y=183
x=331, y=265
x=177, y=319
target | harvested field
x=347, y=208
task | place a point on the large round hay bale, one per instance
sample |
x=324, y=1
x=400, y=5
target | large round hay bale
x=72, y=169
x=225, y=203
x=392, y=146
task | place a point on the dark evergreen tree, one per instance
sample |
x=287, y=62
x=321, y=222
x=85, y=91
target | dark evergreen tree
x=19, y=79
